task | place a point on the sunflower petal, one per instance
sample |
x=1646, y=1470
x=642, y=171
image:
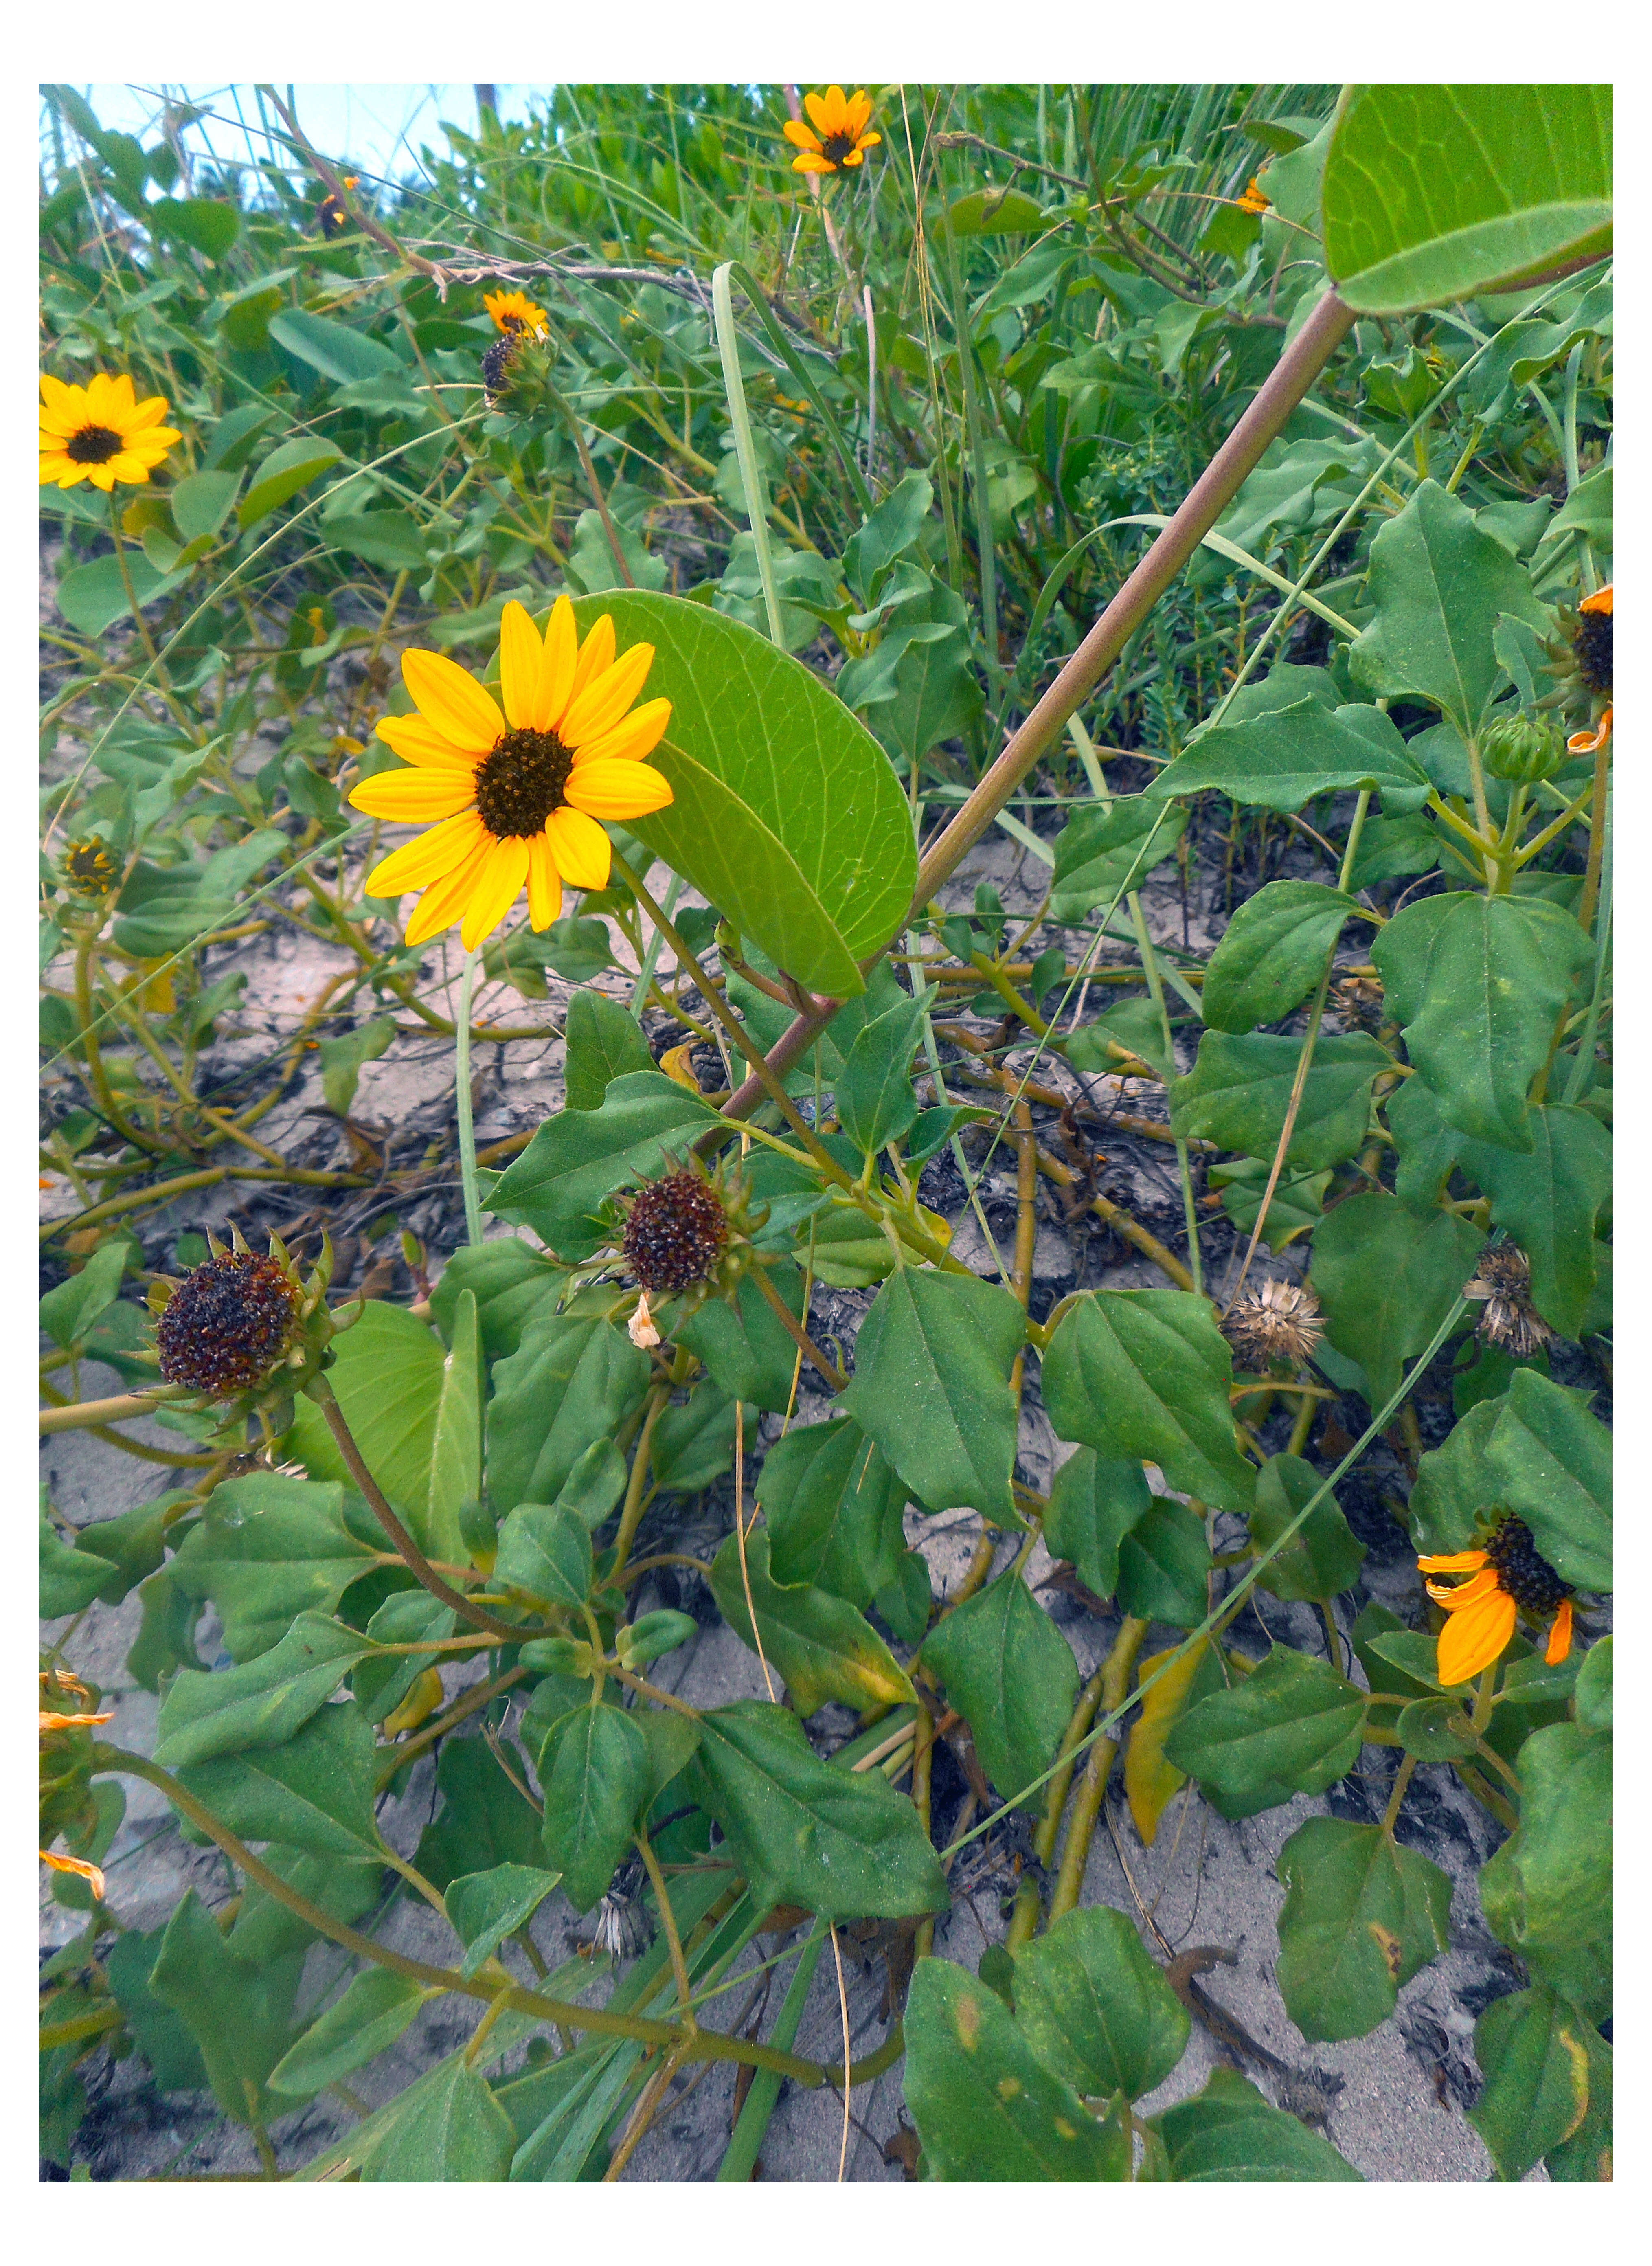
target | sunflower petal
x=449, y=697
x=595, y=655
x=413, y=796
x=416, y=742
x=603, y=701
x=870, y=140
x=634, y=736
x=1457, y=1561
x=1470, y=1641
x=1453, y=1599
x=1590, y=743
x=812, y=162
x=521, y=661
x=54, y=393
x=853, y=158
x=617, y=789
x=799, y=135
x=544, y=883
x=497, y=888
x=582, y=850
x=426, y=858
x=1560, y=1642
x=444, y=901
x=819, y=109
x=857, y=111
x=1598, y=602
x=561, y=659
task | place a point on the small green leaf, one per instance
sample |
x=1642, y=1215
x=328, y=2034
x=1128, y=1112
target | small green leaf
x=1101, y=853
x=1011, y=1674
x=393, y=540
x=450, y=2128
x=1434, y=194
x=391, y=1381
x=333, y=348
x=266, y=1547
x=371, y=2014
x=483, y=1821
x=342, y=1059
x=545, y=1551
x=1145, y=1374
x=819, y=1644
x=282, y=473
x=985, y=2107
x=1229, y=2133
x=840, y=1842
x=1283, y=759
x=69, y=1311
x=874, y=1097
x=70, y=1577
x=932, y=1387
x=743, y=1344
x=1293, y=1726
x=1532, y=2051
x=574, y=1379
x=1387, y=1280
x=1272, y=954
x=1594, y=1687
x=1239, y=1091
x=1323, y=1558
x=1435, y=1731
x=603, y=1042
x=833, y=1509
x=1093, y=1503
x=1549, y=1201
x=594, y=1770
x=1361, y=1915
x=1548, y=1892
x=1095, y=2008
x=487, y=1907
x=995, y=212
x=240, y=2015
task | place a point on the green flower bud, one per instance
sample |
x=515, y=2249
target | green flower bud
x=652, y=1635
x=1522, y=750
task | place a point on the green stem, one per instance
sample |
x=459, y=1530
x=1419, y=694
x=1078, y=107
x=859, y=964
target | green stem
x=1155, y=984
x=462, y=1099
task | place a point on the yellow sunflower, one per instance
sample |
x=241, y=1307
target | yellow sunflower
x=100, y=432
x=516, y=796
x=515, y=310
x=1254, y=199
x=840, y=138
x=1507, y=1577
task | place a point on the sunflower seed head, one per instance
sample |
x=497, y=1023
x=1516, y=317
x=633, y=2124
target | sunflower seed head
x=1278, y=1322
x=1501, y=1281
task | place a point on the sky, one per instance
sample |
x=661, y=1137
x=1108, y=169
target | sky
x=377, y=128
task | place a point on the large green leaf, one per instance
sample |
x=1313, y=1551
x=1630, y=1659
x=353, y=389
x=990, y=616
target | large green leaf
x=1548, y=1892
x=1145, y=1374
x=1093, y=1503
x=1095, y=2008
x=787, y=816
x=582, y=1156
x=840, y=1842
x=833, y=1508
x=261, y=1704
x=484, y=1820
x=1323, y=1558
x=1548, y=1201
x=334, y=349
x=314, y=1792
x=455, y=1446
x=1229, y=2133
x=544, y=1551
x=985, y=2107
x=574, y=1378
x=932, y=1387
x=1239, y=1091
x=1293, y=1726
x=1386, y=1281
x=823, y=1648
x=1011, y=1674
x=594, y=1769
x=1361, y=1915
x=1283, y=759
x=743, y=1344
x=1433, y=194
x=873, y=1093
x=1532, y=2050
x=487, y=1907
x=1165, y=1566
x=1439, y=583
x=1550, y=1460
x=394, y=1384
x=1272, y=954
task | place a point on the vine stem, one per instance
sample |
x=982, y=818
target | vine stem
x=1156, y=986
x=1098, y=1769
x=461, y=1100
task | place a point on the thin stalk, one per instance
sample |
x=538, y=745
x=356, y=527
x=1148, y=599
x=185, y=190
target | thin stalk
x=745, y=447
x=462, y=1099
x=1155, y=985
x=1086, y=1808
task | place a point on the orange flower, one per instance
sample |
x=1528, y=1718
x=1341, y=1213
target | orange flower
x=1593, y=647
x=1252, y=200
x=75, y=1865
x=840, y=138
x=1505, y=1577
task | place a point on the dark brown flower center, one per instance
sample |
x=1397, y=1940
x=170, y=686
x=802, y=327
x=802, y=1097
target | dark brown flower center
x=93, y=444
x=89, y=865
x=521, y=782
x=1592, y=644
x=837, y=146
x=227, y=1324
x=1530, y=1581
x=676, y=1234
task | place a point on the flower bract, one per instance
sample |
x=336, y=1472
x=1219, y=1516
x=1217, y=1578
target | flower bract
x=100, y=432
x=840, y=138
x=513, y=792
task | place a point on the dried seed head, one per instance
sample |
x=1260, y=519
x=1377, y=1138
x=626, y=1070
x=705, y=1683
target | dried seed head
x=228, y=1323
x=677, y=1232
x=496, y=367
x=1277, y=1322
x=1359, y=1002
x=1530, y=1581
x=1502, y=1280
x=1591, y=644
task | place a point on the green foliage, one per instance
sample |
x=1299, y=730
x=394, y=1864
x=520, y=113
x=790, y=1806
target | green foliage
x=1010, y=1675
